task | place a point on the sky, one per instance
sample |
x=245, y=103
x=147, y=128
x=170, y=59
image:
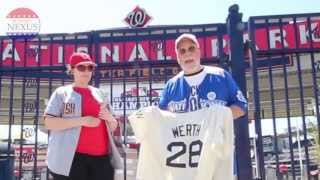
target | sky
x=68, y=16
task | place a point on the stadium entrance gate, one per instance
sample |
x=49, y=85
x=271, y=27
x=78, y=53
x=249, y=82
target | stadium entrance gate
x=134, y=65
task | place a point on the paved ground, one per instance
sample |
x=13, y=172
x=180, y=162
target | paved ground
x=131, y=166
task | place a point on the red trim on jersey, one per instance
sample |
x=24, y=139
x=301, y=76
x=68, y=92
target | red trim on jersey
x=92, y=140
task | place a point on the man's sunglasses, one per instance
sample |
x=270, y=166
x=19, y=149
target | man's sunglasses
x=83, y=68
x=191, y=49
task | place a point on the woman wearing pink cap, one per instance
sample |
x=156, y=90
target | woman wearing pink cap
x=78, y=119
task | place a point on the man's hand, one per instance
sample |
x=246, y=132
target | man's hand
x=236, y=111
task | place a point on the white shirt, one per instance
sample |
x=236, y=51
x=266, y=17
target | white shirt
x=184, y=146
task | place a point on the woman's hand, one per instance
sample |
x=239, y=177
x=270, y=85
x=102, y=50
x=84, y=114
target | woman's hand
x=58, y=123
x=89, y=121
x=104, y=113
x=107, y=116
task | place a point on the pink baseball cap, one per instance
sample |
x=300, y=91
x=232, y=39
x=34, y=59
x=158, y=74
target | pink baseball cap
x=80, y=58
x=189, y=36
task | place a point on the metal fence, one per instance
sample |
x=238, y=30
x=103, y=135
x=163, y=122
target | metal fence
x=286, y=93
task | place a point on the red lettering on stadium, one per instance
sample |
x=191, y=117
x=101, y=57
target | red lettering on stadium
x=30, y=52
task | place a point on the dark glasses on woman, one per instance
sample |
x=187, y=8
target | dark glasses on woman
x=83, y=68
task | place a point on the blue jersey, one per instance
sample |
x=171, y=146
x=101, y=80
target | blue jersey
x=213, y=85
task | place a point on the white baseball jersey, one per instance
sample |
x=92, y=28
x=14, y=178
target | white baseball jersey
x=184, y=146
